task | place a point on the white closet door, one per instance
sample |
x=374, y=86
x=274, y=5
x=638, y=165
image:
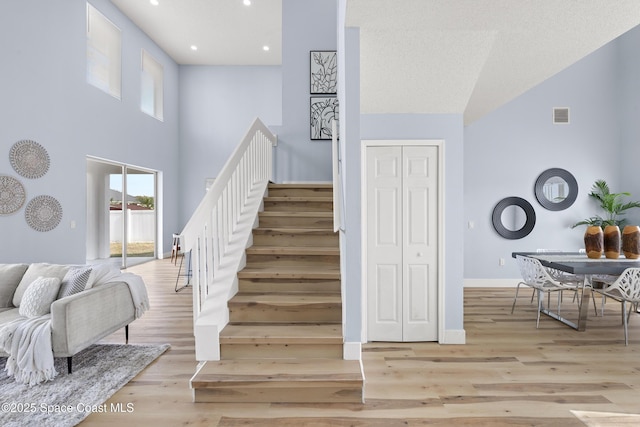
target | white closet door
x=402, y=211
x=384, y=269
x=419, y=254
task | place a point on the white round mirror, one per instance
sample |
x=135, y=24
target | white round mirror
x=555, y=189
x=513, y=218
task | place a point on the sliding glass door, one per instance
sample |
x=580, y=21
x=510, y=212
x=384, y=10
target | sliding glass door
x=121, y=213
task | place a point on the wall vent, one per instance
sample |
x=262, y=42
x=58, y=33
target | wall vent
x=561, y=115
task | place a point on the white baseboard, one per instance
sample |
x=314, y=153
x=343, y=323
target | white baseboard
x=490, y=283
x=454, y=336
x=352, y=351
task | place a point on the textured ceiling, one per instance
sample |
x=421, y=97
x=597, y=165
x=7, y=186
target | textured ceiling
x=417, y=56
x=471, y=56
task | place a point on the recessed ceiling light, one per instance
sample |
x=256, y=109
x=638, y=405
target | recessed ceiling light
x=194, y=47
x=265, y=48
x=154, y=2
x=247, y=2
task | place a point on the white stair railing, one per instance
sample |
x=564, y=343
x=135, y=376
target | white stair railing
x=218, y=232
x=338, y=202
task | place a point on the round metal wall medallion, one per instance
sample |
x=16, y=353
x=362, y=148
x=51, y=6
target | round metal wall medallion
x=29, y=159
x=12, y=195
x=43, y=213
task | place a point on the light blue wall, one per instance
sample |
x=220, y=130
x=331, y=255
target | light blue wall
x=306, y=25
x=217, y=106
x=45, y=97
x=505, y=151
x=628, y=76
x=448, y=127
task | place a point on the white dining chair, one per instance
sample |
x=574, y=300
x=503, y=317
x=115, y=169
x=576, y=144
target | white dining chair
x=625, y=289
x=536, y=276
x=570, y=279
x=561, y=276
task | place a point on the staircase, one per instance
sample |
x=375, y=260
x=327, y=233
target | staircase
x=284, y=339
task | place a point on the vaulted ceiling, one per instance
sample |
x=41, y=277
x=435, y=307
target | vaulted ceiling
x=417, y=56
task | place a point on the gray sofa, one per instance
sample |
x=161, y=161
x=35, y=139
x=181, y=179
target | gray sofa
x=78, y=320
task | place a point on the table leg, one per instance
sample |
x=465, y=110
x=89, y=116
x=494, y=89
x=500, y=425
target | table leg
x=583, y=308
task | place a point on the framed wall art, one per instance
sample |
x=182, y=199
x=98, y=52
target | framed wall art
x=324, y=111
x=324, y=72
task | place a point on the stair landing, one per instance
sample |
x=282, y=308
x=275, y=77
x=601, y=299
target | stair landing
x=280, y=380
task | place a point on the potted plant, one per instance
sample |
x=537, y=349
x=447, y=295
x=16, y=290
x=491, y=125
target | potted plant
x=614, y=207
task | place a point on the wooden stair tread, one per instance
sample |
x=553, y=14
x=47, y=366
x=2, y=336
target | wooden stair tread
x=291, y=250
x=282, y=333
x=285, y=299
x=298, y=214
x=277, y=370
x=293, y=230
x=322, y=185
x=293, y=286
x=299, y=199
x=302, y=272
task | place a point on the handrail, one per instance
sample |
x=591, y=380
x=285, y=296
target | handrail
x=337, y=178
x=215, y=235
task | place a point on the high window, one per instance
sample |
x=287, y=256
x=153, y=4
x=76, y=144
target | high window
x=151, y=92
x=104, y=48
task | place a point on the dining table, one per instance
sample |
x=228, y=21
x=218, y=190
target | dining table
x=578, y=263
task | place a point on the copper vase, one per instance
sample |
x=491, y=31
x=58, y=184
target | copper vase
x=631, y=241
x=594, y=241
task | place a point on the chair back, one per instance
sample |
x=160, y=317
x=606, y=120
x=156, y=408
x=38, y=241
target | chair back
x=627, y=284
x=533, y=273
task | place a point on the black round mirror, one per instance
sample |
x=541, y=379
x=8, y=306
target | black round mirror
x=513, y=218
x=556, y=189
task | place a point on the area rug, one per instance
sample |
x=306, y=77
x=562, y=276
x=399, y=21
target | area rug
x=98, y=372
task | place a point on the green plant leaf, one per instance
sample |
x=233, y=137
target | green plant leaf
x=611, y=203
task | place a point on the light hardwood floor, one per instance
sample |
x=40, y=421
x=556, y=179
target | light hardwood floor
x=509, y=373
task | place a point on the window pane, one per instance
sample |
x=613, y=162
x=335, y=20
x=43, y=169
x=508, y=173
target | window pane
x=104, y=46
x=151, y=93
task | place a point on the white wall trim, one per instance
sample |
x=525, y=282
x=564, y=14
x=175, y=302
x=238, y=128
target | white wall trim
x=352, y=351
x=454, y=336
x=208, y=332
x=490, y=283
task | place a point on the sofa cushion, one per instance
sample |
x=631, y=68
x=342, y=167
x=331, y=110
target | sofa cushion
x=8, y=314
x=10, y=276
x=33, y=272
x=74, y=281
x=39, y=296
